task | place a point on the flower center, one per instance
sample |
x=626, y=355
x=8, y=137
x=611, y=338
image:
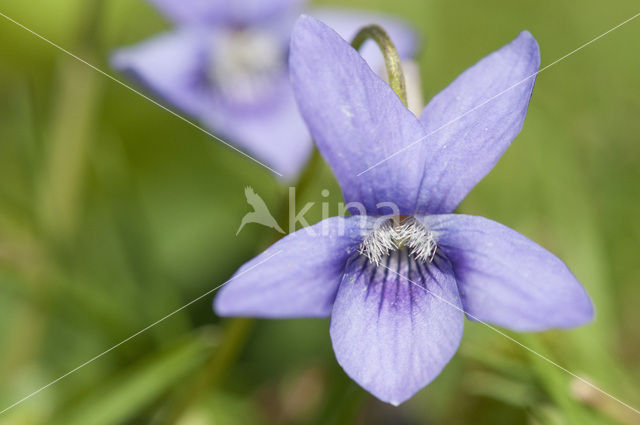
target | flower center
x=246, y=63
x=397, y=233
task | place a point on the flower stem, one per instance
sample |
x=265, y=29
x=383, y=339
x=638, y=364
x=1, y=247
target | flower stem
x=391, y=57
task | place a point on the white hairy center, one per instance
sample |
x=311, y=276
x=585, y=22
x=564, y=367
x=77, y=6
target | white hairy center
x=395, y=234
x=246, y=63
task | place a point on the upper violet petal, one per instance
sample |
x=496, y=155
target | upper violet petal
x=355, y=119
x=471, y=123
x=347, y=23
x=234, y=13
x=506, y=279
x=394, y=328
x=297, y=276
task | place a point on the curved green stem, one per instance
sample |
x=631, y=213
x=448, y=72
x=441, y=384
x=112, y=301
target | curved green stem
x=391, y=57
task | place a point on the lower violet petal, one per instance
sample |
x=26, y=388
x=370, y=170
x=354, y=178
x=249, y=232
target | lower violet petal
x=395, y=326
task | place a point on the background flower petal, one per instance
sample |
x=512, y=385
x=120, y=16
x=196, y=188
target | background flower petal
x=274, y=132
x=506, y=279
x=297, y=276
x=231, y=12
x=173, y=66
x=355, y=118
x=390, y=335
x=463, y=151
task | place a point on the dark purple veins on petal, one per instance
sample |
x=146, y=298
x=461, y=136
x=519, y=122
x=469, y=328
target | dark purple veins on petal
x=395, y=325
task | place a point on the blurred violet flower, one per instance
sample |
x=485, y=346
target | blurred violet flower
x=397, y=288
x=225, y=64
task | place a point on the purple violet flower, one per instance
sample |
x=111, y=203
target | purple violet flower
x=397, y=290
x=225, y=64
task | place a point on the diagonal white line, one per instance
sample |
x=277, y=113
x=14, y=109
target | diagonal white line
x=135, y=335
x=109, y=76
x=516, y=341
x=497, y=95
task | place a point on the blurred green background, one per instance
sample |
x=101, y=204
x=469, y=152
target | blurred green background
x=113, y=214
